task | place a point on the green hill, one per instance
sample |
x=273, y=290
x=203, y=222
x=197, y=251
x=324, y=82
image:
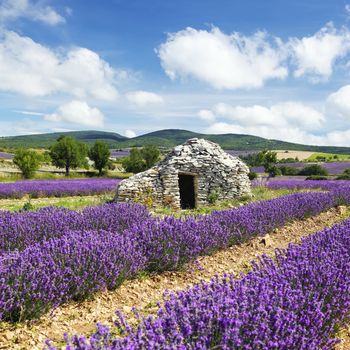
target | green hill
x=166, y=138
x=173, y=137
x=46, y=140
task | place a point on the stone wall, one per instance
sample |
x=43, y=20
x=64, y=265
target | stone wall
x=214, y=171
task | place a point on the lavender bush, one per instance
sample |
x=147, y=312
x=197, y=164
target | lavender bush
x=71, y=267
x=57, y=188
x=19, y=230
x=296, y=301
x=44, y=274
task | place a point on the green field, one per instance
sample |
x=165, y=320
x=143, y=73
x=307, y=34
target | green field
x=328, y=157
x=74, y=202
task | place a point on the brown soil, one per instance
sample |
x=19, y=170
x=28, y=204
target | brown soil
x=143, y=293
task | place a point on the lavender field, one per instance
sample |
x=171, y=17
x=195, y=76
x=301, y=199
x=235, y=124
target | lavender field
x=57, y=188
x=119, y=153
x=334, y=168
x=52, y=256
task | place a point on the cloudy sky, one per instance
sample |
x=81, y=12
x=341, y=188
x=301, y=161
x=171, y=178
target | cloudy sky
x=275, y=68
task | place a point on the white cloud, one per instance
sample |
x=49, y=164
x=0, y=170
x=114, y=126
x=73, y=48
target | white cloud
x=143, y=98
x=223, y=61
x=338, y=103
x=206, y=115
x=316, y=55
x=291, y=134
x=32, y=69
x=286, y=133
x=289, y=121
x=347, y=8
x=282, y=114
x=37, y=11
x=77, y=112
x=29, y=113
x=232, y=61
x=129, y=133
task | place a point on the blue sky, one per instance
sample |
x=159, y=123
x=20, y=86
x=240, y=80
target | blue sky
x=276, y=69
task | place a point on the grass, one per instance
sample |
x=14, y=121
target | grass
x=259, y=193
x=74, y=202
x=328, y=157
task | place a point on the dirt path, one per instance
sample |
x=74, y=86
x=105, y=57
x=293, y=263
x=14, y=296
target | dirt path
x=143, y=293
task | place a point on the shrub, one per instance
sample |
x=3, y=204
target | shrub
x=313, y=169
x=27, y=161
x=213, y=196
x=288, y=170
x=316, y=177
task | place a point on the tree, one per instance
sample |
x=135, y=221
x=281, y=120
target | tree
x=265, y=158
x=99, y=153
x=134, y=163
x=151, y=155
x=68, y=153
x=268, y=159
x=27, y=161
x=141, y=160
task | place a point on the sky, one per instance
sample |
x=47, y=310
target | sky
x=278, y=69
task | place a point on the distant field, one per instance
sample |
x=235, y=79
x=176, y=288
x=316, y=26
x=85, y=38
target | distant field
x=328, y=157
x=301, y=155
x=312, y=156
x=334, y=168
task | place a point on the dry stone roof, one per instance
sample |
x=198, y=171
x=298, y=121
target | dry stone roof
x=199, y=169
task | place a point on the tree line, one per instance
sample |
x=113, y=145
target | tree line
x=68, y=153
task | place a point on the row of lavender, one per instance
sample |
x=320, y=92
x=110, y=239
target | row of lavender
x=52, y=256
x=57, y=188
x=333, y=168
x=296, y=301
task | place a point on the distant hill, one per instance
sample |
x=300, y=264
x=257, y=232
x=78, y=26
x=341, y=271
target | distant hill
x=166, y=138
x=46, y=140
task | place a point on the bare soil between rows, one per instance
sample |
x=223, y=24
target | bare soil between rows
x=143, y=293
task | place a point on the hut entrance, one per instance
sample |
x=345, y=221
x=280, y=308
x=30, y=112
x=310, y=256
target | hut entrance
x=187, y=191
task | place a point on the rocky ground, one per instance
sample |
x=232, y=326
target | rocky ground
x=144, y=292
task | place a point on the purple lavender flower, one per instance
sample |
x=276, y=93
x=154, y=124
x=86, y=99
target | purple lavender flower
x=295, y=301
x=57, y=188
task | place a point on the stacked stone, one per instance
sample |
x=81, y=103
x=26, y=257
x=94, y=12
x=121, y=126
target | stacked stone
x=212, y=168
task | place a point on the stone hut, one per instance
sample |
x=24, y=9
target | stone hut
x=190, y=176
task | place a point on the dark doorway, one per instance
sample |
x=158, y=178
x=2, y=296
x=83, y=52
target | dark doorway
x=187, y=193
